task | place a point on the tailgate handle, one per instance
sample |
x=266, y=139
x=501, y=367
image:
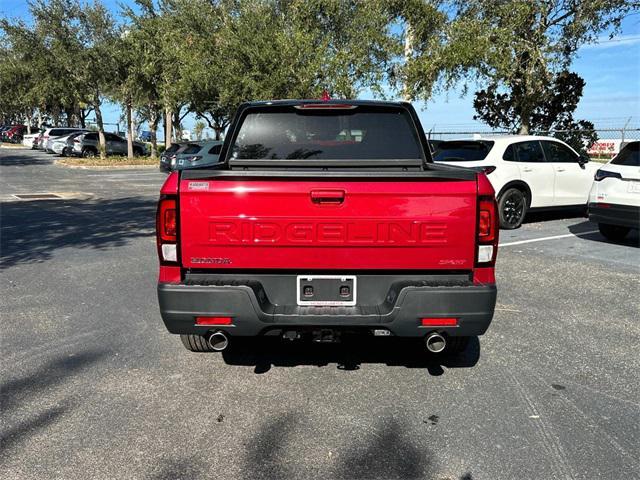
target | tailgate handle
x=327, y=196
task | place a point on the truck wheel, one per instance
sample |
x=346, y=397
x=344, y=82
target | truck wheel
x=512, y=207
x=456, y=344
x=613, y=232
x=195, y=343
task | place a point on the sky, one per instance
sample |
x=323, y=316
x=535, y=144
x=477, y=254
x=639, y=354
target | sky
x=610, y=68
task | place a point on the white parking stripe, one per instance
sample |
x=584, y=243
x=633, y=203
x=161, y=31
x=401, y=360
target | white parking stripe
x=521, y=242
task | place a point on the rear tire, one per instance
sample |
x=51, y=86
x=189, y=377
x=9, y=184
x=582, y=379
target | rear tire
x=195, y=343
x=456, y=344
x=512, y=207
x=613, y=232
x=89, y=152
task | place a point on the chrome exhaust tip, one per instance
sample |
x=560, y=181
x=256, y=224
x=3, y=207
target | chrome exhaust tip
x=435, y=342
x=218, y=341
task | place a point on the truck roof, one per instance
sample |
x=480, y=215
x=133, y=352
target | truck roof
x=333, y=101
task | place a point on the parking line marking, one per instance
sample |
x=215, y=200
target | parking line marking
x=522, y=242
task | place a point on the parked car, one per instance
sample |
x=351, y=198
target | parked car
x=64, y=145
x=13, y=134
x=87, y=145
x=614, y=200
x=168, y=157
x=433, y=144
x=30, y=139
x=527, y=172
x=55, y=133
x=199, y=155
x=303, y=232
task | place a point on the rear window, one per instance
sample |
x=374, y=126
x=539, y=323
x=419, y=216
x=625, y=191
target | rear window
x=91, y=136
x=192, y=148
x=215, y=150
x=629, y=155
x=463, y=151
x=360, y=133
x=173, y=148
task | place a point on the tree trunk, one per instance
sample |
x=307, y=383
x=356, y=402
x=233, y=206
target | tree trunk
x=168, y=122
x=154, y=119
x=103, y=144
x=129, y=129
x=218, y=132
x=408, y=50
x=177, y=129
x=524, y=128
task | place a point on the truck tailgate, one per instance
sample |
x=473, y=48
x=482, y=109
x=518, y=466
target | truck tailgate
x=339, y=225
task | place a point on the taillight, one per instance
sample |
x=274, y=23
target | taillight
x=487, y=230
x=167, y=230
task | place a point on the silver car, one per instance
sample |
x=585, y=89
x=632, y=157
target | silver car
x=87, y=145
x=52, y=134
x=199, y=154
x=64, y=145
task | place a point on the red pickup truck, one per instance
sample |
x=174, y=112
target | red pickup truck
x=326, y=217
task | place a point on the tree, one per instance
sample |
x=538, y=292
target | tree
x=198, y=129
x=145, y=26
x=553, y=112
x=97, y=59
x=268, y=49
x=521, y=50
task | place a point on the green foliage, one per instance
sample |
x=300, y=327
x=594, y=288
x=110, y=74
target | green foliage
x=198, y=129
x=552, y=113
x=208, y=56
x=519, y=48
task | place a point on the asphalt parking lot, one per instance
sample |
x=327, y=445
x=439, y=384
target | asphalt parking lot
x=94, y=387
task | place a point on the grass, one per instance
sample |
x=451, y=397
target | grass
x=110, y=161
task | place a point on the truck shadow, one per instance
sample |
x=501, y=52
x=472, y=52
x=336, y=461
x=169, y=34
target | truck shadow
x=351, y=354
x=33, y=231
x=390, y=451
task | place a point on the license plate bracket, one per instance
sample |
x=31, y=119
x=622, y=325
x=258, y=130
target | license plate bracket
x=326, y=290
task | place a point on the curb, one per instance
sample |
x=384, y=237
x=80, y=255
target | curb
x=59, y=163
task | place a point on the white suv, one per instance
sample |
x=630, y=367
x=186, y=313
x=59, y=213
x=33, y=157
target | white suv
x=614, y=201
x=527, y=172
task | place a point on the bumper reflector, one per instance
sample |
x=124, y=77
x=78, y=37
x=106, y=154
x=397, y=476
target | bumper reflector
x=485, y=253
x=439, y=322
x=214, y=320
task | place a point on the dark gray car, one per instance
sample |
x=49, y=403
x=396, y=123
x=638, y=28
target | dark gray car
x=87, y=145
x=168, y=157
x=199, y=154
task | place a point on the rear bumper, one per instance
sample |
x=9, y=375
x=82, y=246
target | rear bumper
x=254, y=315
x=613, y=214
